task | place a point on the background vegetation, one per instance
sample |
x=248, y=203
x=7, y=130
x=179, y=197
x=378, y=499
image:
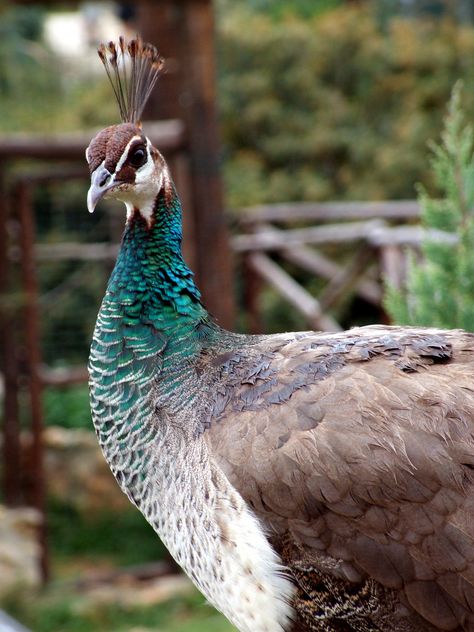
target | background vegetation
x=319, y=100
x=440, y=286
x=345, y=105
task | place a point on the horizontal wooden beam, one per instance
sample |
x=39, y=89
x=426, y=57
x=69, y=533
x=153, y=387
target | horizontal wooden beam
x=332, y=233
x=375, y=232
x=324, y=211
x=169, y=136
x=64, y=376
x=76, y=251
x=413, y=236
x=140, y=572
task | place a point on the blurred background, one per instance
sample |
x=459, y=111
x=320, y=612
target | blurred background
x=298, y=133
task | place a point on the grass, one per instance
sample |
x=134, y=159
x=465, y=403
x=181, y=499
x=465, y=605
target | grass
x=58, y=611
x=107, y=540
x=118, y=539
x=68, y=407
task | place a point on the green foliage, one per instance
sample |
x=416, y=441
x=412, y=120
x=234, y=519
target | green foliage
x=40, y=92
x=59, y=611
x=67, y=406
x=123, y=538
x=440, y=289
x=279, y=9
x=334, y=106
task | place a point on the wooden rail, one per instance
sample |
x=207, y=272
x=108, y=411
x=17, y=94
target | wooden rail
x=376, y=235
x=168, y=135
x=317, y=235
x=321, y=266
x=293, y=292
x=403, y=210
x=76, y=252
x=375, y=232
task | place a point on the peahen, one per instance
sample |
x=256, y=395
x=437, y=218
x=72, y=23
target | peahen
x=304, y=481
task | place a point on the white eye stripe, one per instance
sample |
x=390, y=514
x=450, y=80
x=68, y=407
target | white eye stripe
x=126, y=151
x=147, y=170
x=148, y=155
x=124, y=155
x=87, y=154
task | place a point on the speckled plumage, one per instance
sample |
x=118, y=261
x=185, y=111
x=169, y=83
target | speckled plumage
x=364, y=473
x=354, y=450
x=304, y=481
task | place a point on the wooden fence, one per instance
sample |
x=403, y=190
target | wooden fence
x=377, y=234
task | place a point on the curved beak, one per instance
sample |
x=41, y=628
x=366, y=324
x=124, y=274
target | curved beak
x=101, y=182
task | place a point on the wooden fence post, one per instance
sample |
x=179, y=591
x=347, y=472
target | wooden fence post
x=33, y=361
x=184, y=33
x=9, y=364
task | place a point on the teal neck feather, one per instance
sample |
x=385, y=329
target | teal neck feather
x=152, y=283
x=150, y=267
x=152, y=324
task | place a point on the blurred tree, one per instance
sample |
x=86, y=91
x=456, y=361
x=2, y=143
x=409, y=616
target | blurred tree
x=22, y=74
x=38, y=92
x=316, y=103
x=440, y=289
x=278, y=9
x=461, y=10
x=333, y=106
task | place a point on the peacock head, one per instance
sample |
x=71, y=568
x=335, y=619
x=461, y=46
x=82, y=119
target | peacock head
x=125, y=166
x=123, y=163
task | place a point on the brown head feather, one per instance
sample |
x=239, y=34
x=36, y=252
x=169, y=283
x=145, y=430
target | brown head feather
x=132, y=69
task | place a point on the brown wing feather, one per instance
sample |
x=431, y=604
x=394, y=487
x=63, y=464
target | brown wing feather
x=357, y=450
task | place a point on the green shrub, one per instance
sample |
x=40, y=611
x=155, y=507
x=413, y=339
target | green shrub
x=67, y=407
x=334, y=106
x=440, y=289
x=123, y=538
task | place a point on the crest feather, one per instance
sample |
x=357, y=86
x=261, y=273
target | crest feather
x=132, y=69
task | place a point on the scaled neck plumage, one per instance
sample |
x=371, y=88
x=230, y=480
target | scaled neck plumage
x=152, y=303
x=150, y=270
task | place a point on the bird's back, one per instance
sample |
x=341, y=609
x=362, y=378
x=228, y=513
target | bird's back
x=356, y=451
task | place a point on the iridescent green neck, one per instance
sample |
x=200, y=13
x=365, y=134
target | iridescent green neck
x=151, y=284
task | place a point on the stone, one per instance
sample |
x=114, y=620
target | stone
x=131, y=593
x=19, y=550
x=76, y=472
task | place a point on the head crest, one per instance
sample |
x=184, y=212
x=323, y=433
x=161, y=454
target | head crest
x=132, y=69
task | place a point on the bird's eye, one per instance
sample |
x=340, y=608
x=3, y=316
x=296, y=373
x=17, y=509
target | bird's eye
x=138, y=157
